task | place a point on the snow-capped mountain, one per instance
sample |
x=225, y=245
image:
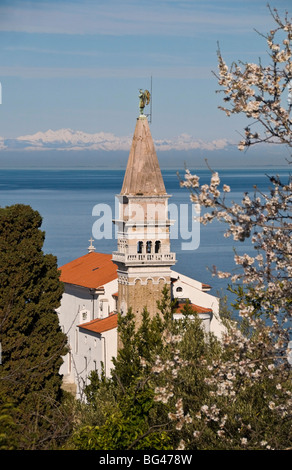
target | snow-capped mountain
x=68, y=139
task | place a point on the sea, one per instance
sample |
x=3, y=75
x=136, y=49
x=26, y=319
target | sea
x=80, y=203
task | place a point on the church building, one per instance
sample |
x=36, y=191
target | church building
x=99, y=285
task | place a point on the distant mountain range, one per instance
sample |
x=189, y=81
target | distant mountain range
x=68, y=139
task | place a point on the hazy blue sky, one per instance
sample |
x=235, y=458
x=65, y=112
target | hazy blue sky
x=79, y=64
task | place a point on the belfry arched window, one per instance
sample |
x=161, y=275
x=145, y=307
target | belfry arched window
x=148, y=247
x=139, y=247
x=157, y=246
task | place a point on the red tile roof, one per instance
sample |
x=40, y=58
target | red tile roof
x=92, y=270
x=195, y=308
x=99, y=326
x=206, y=286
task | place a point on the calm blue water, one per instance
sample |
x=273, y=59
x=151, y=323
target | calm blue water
x=66, y=198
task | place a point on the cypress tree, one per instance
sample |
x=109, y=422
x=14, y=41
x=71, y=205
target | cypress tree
x=31, y=340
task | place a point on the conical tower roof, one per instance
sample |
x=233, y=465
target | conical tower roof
x=143, y=175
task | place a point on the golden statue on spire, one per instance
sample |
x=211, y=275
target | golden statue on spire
x=144, y=100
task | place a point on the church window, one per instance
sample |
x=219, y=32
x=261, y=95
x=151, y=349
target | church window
x=148, y=247
x=84, y=315
x=139, y=247
x=179, y=289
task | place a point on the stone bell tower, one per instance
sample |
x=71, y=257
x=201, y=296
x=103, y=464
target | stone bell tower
x=143, y=253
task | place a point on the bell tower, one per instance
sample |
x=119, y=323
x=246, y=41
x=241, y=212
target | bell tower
x=143, y=255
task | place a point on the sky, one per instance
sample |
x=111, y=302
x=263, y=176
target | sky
x=79, y=64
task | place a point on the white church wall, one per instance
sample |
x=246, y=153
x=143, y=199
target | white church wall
x=110, y=349
x=106, y=301
x=187, y=288
x=89, y=352
x=78, y=306
x=89, y=349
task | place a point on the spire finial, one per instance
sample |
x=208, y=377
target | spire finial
x=91, y=248
x=144, y=100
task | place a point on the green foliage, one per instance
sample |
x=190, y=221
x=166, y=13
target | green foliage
x=30, y=335
x=246, y=420
x=245, y=398
x=127, y=363
x=186, y=389
x=119, y=434
x=127, y=411
x=126, y=426
x=166, y=307
x=121, y=411
x=144, y=342
x=8, y=439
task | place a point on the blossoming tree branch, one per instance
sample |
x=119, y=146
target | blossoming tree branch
x=258, y=92
x=253, y=360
